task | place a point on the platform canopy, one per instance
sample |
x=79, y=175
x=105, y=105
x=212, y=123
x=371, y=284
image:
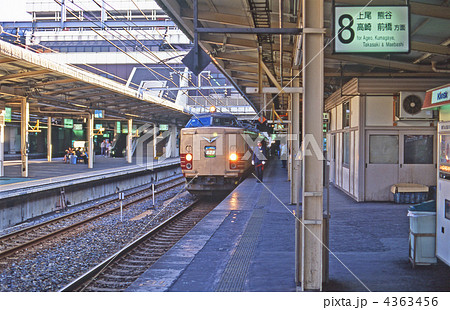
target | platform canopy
x=236, y=51
x=60, y=90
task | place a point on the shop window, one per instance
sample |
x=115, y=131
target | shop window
x=383, y=149
x=346, y=114
x=346, y=149
x=418, y=149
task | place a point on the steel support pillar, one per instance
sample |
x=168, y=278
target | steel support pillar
x=312, y=189
x=289, y=143
x=49, y=139
x=24, y=119
x=171, y=145
x=12, y=140
x=295, y=124
x=90, y=137
x=2, y=142
x=129, y=141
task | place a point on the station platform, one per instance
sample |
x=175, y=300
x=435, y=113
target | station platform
x=247, y=244
x=44, y=174
x=53, y=186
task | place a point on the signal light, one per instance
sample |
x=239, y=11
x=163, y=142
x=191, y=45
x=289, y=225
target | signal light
x=189, y=157
x=233, y=156
x=212, y=109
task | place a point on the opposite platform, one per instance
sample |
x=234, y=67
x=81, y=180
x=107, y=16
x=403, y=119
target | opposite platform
x=247, y=244
x=74, y=184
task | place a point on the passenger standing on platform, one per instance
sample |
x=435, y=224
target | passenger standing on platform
x=259, y=160
x=66, y=156
x=283, y=154
x=108, y=149
x=103, y=147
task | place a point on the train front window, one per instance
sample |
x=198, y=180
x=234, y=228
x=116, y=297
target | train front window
x=223, y=121
x=199, y=122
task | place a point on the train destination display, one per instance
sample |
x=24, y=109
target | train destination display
x=371, y=29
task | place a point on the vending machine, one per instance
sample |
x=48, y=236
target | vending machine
x=443, y=194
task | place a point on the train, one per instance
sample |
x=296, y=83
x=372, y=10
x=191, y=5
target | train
x=214, y=153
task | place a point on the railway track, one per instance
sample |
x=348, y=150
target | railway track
x=121, y=269
x=33, y=235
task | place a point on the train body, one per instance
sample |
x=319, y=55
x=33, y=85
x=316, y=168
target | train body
x=214, y=153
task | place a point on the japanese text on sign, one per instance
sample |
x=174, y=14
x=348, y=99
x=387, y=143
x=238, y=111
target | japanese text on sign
x=377, y=29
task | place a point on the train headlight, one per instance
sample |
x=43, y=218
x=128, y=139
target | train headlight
x=189, y=157
x=233, y=156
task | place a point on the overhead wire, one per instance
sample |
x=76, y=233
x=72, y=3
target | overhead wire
x=109, y=41
x=154, y=55
x=163, y=38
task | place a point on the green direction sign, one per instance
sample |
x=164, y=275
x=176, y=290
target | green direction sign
x=77, y=126
x=163, y=127
x=371, y=29
x=125, y=129
x=7, y=114
x=118, y=127
x=68, y=123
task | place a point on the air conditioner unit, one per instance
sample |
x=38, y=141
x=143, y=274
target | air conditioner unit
x=410, y=105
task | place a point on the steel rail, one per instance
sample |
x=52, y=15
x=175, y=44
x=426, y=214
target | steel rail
x=37, y=240
x=81, y=282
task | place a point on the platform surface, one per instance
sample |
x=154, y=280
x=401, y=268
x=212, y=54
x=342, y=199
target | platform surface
x=247, y=244
x=43, y=174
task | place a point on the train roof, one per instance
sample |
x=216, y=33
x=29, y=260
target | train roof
x=216, y=114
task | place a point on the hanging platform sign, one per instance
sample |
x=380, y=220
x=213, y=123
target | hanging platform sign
x=371, y=29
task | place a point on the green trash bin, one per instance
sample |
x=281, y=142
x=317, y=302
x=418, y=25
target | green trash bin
x=422, y=233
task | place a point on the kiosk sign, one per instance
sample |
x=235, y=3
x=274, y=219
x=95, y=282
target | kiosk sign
x=440, y=95
x=371, y=29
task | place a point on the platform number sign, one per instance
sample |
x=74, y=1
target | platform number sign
x=371, y=29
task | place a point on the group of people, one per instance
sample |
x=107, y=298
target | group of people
x=77, y=152
x=106, y=147
x=260, y=155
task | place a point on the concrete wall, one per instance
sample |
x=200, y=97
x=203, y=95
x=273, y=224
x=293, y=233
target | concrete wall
x=15, y=210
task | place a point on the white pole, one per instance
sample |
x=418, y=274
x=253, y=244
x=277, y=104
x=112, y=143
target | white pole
x=49, y=139
x=90, y=138
x=129, y=141
x=25, y=116
x=121, y=209
x=153, y=193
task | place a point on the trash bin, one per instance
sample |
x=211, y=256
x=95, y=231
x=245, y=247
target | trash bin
x=73, y=159
x=422, y=233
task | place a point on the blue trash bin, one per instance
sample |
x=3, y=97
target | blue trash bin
x=73, y=159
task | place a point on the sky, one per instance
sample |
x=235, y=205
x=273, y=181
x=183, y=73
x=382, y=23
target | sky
x=13, y=10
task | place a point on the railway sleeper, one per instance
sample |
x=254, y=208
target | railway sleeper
x=148, y=252
x=136, y=265
x=133, y=261
x=105, y=289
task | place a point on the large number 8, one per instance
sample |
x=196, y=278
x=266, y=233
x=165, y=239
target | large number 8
x=348, y=27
